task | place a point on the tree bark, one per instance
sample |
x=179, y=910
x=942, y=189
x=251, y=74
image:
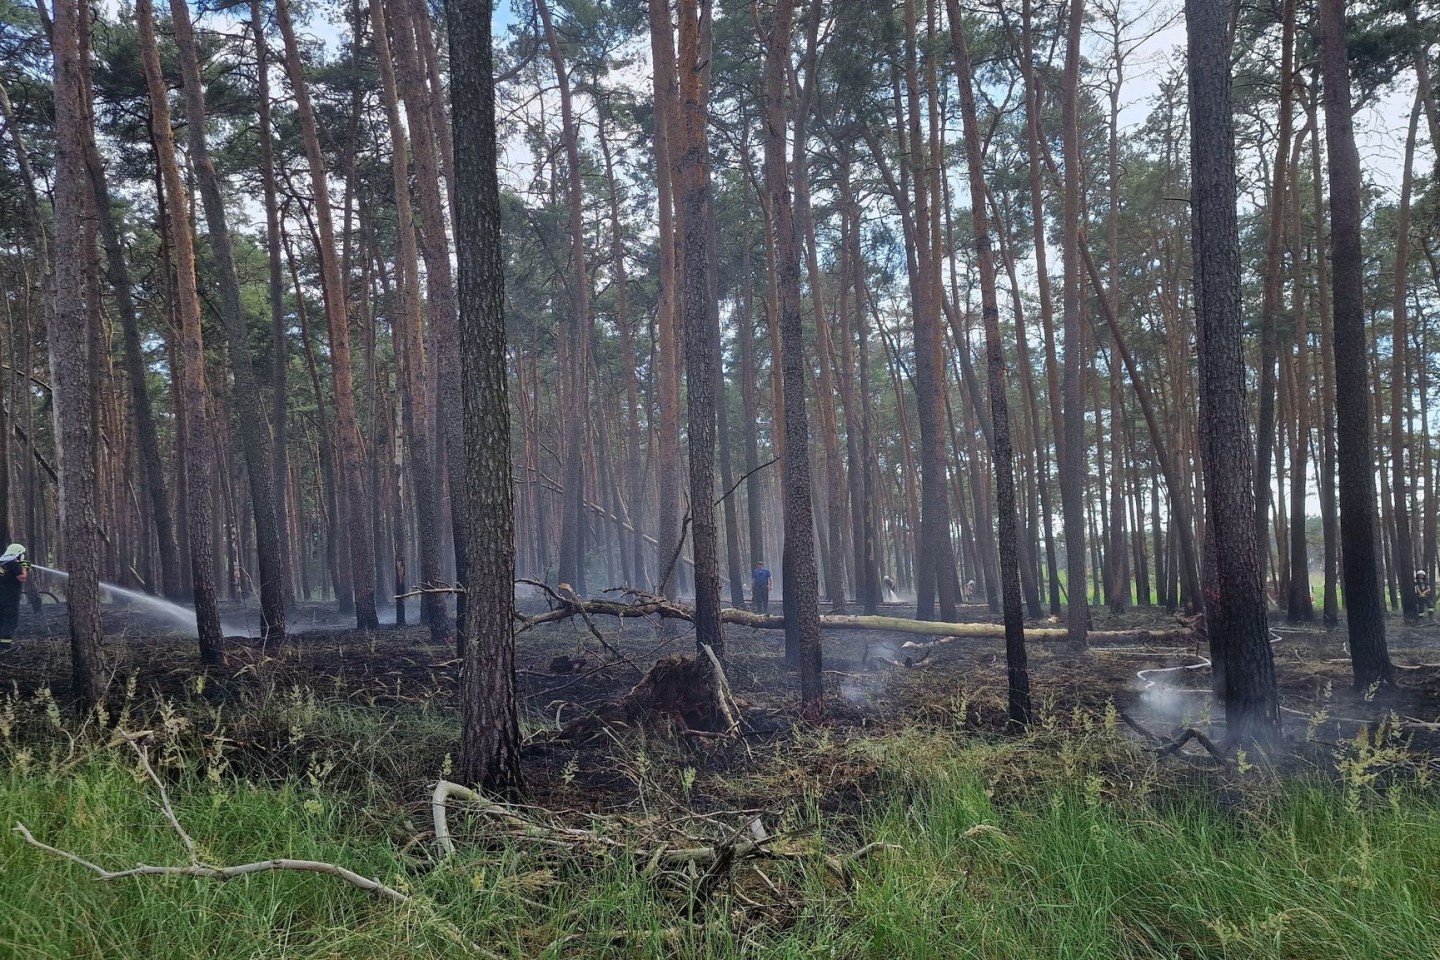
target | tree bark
x=250, y=420
x=1235, y=609
x=490, y=730
x=362, y=550
x=800, y=577
x=702, y=330
x=1004, y=460
x=1072, y=452
x=192, y=350
x=68, y=327
x=1364, y=611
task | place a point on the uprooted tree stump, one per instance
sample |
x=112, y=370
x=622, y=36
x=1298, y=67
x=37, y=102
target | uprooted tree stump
x=688, y=691
x=688, y=695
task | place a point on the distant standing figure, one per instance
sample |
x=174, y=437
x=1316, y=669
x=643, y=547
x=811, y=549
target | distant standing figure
x=1423, y=593
x=890, y=592
x=14, y=571
x=969, y=591
x=760, y=577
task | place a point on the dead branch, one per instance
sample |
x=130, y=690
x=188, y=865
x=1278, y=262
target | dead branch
x=748, y=474
x=196, y=868
x=843, y=868
x=425, y=588
x=648, y=605
x=165, y=806
x=675, y=556
x=749, y=840
x=571, y=601
x=726, y=699
x=206, y=872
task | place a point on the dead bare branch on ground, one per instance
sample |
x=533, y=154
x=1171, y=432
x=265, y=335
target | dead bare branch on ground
x=198, y=868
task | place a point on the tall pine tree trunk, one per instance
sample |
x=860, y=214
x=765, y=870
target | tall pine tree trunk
x=429, y=139
x=68, y=326
x=1364, y=610
x=1235, y=610
x=193, y=391
x=1301, y=606
x=801, y=586
x=489, y=726
x=408, y=325
x=573, y=526
x=1016, y=668
x=250, y=420
x=701, y=323
x=935, y=555
x=1072, y=451
x=347, y=428
x=1274, y=282
x=279, y=338
x=1401, y=481
x=667, y=536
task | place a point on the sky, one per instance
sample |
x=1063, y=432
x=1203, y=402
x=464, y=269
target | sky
x=1380, y=127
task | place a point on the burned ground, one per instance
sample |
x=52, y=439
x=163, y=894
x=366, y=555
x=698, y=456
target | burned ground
x=582, y=753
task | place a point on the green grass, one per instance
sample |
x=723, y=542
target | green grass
x=1067, y=845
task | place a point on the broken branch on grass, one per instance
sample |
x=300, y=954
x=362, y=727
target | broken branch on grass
x=445, y=790
x=206, y=871
x=695, y=851
x=165, y=806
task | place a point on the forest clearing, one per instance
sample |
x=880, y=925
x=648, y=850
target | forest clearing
x=719, y=478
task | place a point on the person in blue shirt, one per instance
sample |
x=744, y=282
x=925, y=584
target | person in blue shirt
x=760, y=576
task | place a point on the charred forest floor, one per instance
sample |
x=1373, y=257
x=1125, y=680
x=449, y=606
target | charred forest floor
x=908, y=792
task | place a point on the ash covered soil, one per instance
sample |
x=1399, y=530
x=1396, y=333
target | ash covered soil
x=567, y=681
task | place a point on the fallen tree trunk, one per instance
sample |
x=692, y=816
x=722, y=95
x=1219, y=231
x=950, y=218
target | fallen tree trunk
x=646, y=605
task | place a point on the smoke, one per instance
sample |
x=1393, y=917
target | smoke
x=1181, y=705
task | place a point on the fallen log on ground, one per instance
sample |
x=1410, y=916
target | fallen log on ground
x=648, y=605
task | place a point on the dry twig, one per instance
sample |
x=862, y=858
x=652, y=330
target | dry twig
x=197, y=868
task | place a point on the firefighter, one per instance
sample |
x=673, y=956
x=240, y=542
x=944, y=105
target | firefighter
x=14, y=571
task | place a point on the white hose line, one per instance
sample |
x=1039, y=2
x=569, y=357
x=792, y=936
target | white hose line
x=1144, y=675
